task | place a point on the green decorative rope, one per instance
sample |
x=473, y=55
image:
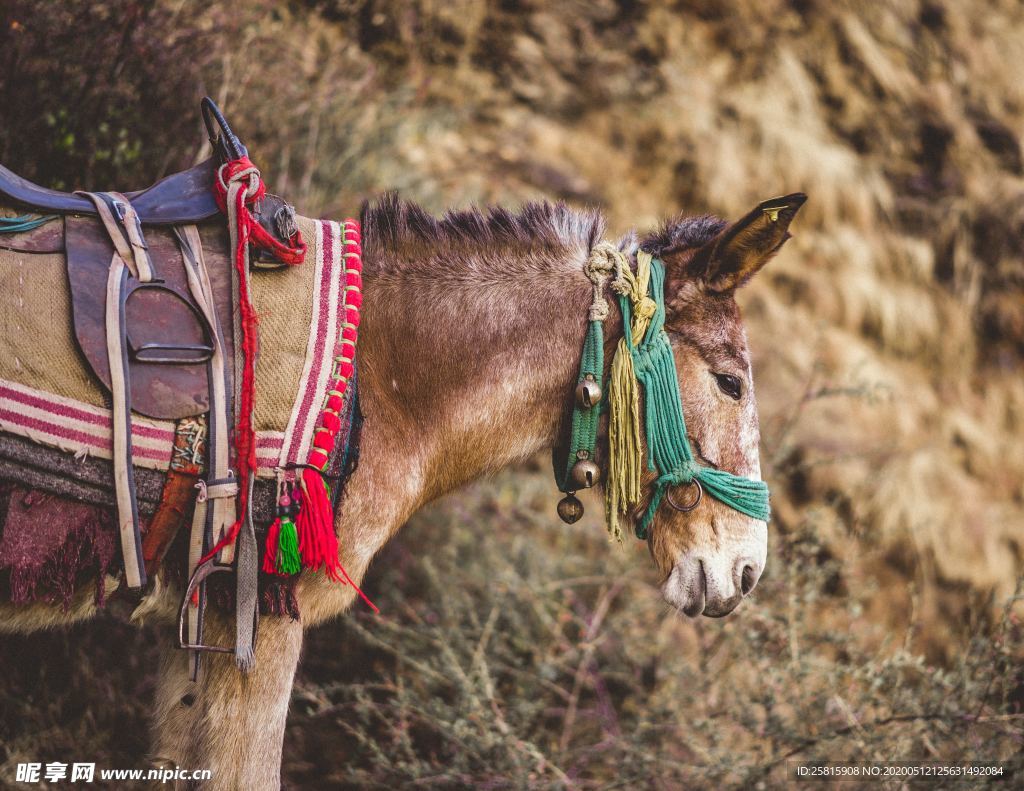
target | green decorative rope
x=584, y=421
x=668, y=447
x=654, y=367
x=25, y=222
x=605, y=262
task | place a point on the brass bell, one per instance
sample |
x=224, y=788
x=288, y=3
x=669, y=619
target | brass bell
x=585, y=473
x=570, y=509
x=588, y=392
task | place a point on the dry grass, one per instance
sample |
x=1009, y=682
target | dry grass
x=888, y=340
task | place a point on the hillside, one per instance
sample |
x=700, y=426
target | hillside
x=887, y=340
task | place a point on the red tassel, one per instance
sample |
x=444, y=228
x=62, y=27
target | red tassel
x=318, y=544
x=270, y=551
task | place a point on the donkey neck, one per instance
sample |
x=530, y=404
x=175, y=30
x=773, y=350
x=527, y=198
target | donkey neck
x=471, y=367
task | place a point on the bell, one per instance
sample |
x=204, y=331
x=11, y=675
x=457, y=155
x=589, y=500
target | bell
x=570, y=509
x=585, y=473
x=588, y=392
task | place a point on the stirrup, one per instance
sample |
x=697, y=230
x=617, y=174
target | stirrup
x=203, y=572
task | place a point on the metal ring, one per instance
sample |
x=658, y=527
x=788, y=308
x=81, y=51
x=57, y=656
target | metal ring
x=690, y=506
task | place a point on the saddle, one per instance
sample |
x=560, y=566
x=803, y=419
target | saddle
x=155, y=300
x=166, y=333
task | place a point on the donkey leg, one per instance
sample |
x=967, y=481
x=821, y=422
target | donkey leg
x=228, y=722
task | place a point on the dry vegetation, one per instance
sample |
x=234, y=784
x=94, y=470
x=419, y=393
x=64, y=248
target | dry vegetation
x=888, y=338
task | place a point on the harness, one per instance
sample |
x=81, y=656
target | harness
x=643, y=357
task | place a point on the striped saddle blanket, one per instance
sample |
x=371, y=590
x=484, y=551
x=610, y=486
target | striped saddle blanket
x=57, y=526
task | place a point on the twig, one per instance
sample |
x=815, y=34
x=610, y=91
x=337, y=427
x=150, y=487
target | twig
x=590, y=645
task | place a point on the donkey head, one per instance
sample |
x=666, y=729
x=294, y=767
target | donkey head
x=712, y=556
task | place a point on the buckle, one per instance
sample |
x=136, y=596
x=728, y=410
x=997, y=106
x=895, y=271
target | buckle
x=217, y=488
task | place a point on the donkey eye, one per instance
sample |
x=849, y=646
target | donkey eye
x=730, y=385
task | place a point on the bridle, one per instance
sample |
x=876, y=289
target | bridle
x=643, y=358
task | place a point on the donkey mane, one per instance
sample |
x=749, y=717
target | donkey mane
x=493, y=243
x=683, y=232
x=539, y=233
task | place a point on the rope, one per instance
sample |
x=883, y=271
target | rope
x=239, y=186
x=26, y=222
x=668, y=447
x=605, y=263
x=644, y=358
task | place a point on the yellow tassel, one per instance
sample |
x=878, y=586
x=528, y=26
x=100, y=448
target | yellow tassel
x=625, y=449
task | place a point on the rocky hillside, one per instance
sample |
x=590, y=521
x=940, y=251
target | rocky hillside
x=888, y=341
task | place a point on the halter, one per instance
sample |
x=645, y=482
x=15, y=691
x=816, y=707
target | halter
x=644, y=357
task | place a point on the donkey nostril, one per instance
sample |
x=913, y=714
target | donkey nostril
x=748, y=579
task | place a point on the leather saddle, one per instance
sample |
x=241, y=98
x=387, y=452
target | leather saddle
x=167, y=339
x=185, y=197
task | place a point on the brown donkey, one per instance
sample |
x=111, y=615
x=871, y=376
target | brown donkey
x=472, y=323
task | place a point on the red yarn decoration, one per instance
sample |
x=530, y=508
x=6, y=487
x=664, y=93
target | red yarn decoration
x=270, y=555
x=248, y=230
x=318, y=543
x=292, y=253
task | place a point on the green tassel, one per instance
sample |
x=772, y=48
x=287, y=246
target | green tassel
x=288, y=548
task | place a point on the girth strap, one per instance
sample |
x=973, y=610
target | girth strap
x=220, y=486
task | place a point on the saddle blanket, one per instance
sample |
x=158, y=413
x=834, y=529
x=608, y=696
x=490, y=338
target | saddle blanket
x=56, y=424
x=49, y=396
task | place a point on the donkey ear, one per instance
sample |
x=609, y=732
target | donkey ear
x=738, y=252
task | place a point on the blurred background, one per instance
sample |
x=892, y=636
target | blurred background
x=514, y=651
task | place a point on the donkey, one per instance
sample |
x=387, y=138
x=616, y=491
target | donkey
x=470, y=322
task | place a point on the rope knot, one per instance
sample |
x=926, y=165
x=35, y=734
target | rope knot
x=601, y=264
x=234, y=172
x=646, y=308
x=683, y=472
x=621, y=286
x=605, y=261
x=237, y=187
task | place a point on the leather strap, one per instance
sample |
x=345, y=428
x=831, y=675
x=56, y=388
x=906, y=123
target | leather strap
x=133, y=227
x=125, y=231
x=130, y=258
x=217, y=491
x=207, y=518
x=216, y=505
x=247, y=567
x=223, y=510
x=247, y=610
x=195, y=605
x=124, y=476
